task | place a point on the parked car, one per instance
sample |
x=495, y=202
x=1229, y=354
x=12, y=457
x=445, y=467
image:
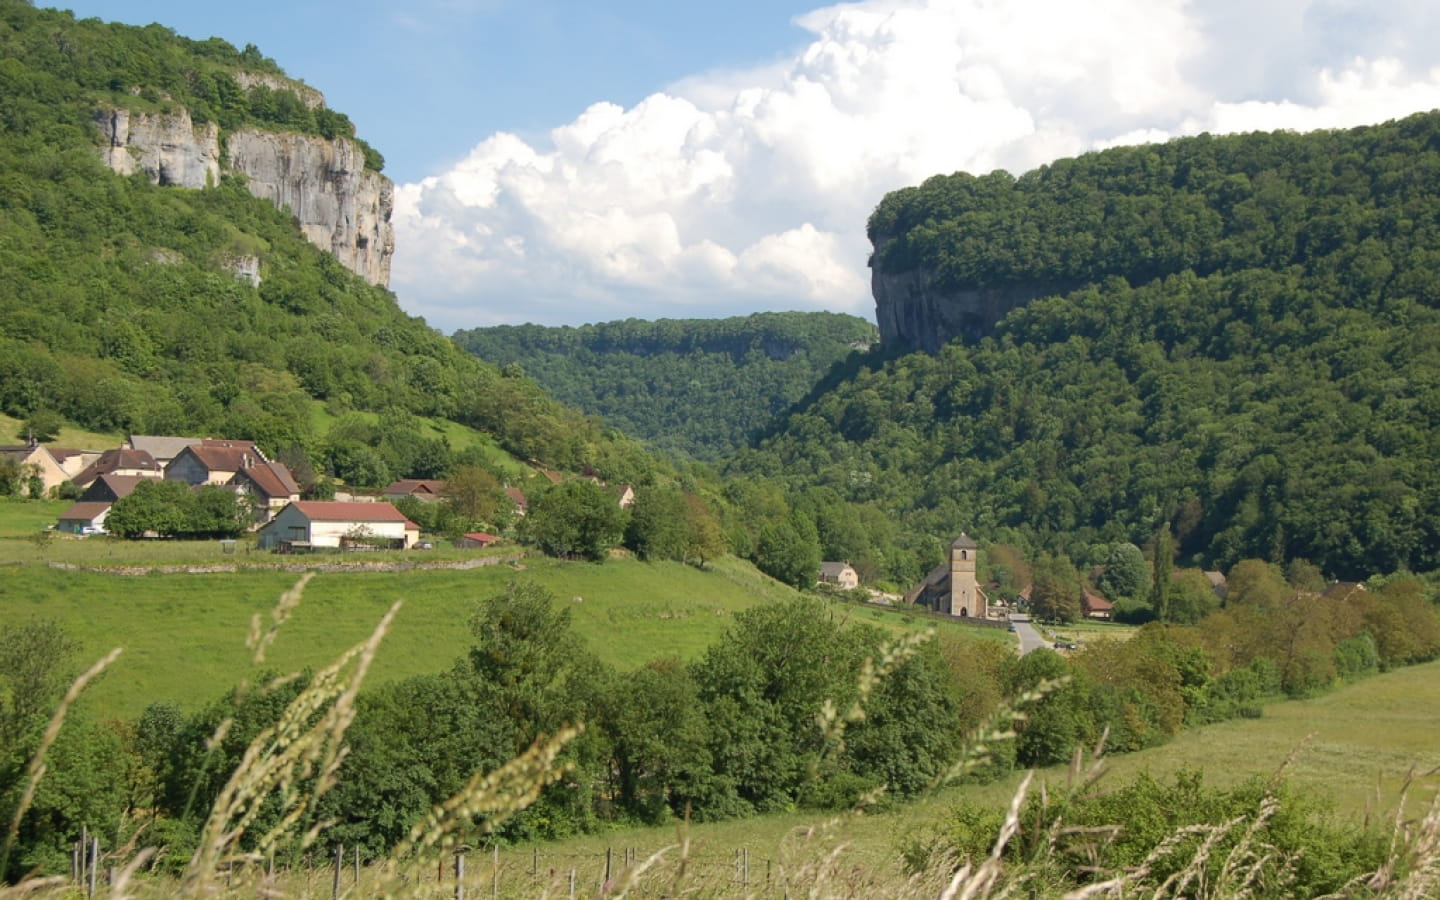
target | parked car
x=1064, y=645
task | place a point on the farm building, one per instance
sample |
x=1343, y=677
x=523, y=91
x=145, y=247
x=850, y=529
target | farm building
x=307, y=524
x=475, y=540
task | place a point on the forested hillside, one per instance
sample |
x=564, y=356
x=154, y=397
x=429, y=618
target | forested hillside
x=694, y=387
x=119, y=312
x=1252, y=354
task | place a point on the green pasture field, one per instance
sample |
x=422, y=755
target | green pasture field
x=1350, y=749
x=69, y=436
x=184, y=634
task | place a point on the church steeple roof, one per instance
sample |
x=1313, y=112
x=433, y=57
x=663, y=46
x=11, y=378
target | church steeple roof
x=964, y=542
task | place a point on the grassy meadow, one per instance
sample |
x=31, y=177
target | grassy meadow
x=1351, y=749
x=184, y=634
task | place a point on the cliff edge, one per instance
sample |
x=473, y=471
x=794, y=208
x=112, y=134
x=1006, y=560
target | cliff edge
x=341, y=207
x=914, y=311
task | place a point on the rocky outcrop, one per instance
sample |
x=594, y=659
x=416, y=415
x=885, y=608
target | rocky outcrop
x=312, y=98
x=166, y=146
x=340, y=206
x=913, y=312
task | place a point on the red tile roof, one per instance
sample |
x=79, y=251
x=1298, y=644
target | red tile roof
x=416, y=486
x=272, y=479
x=224, y=459
x=112, y=460
x=338, y=511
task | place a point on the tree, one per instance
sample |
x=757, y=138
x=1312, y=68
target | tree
x=474, y=495
x=704, y=538
x=1127, y=573
x=155, y=506
x=1161, y=564
x=574, y=520
x=788, y=552
x=1055, y=592
x=42, y=425
x=659, y=524
x=214, y=512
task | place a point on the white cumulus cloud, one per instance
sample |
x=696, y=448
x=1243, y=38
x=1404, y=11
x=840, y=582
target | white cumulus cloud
x=736, y=191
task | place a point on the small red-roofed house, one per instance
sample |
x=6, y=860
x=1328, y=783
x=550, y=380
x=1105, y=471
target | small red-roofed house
x=270, y=486
x=517, y=497
x=427, y=490
x=1094, y=606
x=475, y=540
x=307, y=524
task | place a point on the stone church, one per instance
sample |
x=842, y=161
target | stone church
x=951, y=588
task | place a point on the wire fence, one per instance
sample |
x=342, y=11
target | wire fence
x=477, y=874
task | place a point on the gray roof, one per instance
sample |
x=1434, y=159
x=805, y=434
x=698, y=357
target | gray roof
x=965, y=542
x=162, y=447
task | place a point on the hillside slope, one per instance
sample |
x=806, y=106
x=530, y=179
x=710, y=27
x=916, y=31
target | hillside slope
x=1259, y=372
x=692, y=387
x=124, y=308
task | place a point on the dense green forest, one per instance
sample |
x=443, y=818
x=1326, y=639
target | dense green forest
x=698, y=388
x=118, y=314
x=1251, y=356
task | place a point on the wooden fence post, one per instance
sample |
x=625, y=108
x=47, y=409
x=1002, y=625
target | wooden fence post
x=94, y=862
x=335, y=879
x=459, y=875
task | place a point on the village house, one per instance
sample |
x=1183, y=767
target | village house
x=213, y=461
x=35, y=460
x=163, y=447
x=72, y=461
x=426, y=490
x=839, y=574
x=109, y=488
x=308, y=524
x=517, y=497
x=270, y=487
x=121, y=461
x=1094, y=606
x=85, y=517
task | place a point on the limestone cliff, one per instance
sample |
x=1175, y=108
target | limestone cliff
x=166, y=146
x=912, y=311
x=340, y=206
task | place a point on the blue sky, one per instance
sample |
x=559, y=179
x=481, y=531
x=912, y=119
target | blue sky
x=425, y=80
x=570, y=162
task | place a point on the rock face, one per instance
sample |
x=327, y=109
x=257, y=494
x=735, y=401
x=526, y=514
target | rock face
x=913, y=312
x=341, y=207
x=167, y=147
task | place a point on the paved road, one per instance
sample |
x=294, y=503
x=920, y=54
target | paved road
x=1030, y=639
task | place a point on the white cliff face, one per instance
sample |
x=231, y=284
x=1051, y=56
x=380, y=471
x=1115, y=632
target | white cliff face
x=341, y=207
x=165, y=146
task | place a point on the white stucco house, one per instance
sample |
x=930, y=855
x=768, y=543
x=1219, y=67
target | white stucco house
x=307, y=524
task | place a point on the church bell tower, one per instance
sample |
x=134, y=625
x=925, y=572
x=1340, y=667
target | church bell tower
x=966, y=598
